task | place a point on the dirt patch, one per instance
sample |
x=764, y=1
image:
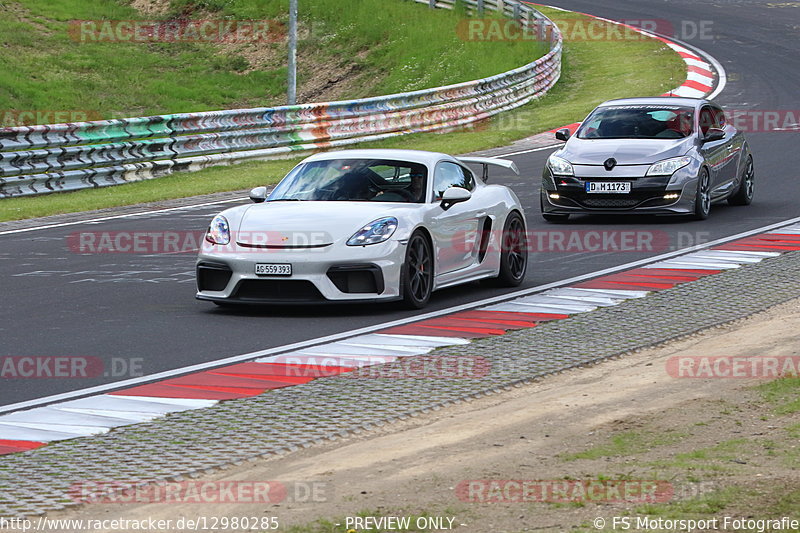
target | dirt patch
x=321, y=78
x=151, y=8
x=328, y=82
x=717, y=442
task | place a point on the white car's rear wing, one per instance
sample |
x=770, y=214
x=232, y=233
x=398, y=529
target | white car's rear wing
x=486, y=161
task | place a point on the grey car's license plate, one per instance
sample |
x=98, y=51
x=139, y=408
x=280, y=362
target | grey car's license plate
x=617, y=187
x=273, y=269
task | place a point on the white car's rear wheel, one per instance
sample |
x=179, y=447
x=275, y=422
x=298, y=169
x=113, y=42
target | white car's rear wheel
x=513, y=252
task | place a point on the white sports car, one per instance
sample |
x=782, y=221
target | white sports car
x=366, y=225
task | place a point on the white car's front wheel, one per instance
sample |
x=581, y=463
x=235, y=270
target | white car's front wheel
x=416, y=281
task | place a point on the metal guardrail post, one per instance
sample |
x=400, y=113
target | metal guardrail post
x=432, y=4
x=480, y=8
x=517, y=13
x=292, y=75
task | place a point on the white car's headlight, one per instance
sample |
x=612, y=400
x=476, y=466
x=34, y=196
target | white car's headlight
x=668, y=167
x=560, y=166
x=218, y=232
x=374, y=232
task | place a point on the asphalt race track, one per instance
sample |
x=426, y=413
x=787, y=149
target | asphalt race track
x=141, y=308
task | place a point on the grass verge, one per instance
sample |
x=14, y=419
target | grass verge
x=373, y=47
x=627, y=443
x=593, y=71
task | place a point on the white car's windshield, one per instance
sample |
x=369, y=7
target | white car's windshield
x=638, y=122
x=354, y=180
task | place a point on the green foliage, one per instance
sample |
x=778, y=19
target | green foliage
x=783, y=394
x=395, y=45
x=627, y=443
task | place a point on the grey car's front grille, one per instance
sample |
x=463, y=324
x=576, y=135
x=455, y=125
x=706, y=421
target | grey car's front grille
x=610, y=202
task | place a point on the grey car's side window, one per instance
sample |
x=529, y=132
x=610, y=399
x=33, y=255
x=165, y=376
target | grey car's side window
x=706, y=120
x=719, y=118
x=448, y=175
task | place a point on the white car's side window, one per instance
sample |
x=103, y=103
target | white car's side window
x=448, y=175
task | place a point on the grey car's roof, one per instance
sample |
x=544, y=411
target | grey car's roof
x=413, y=156
x=657, y=100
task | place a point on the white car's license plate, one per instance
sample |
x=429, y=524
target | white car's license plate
x=618, y=187
x=273, y=269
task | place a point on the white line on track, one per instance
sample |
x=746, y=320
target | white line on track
x=371, y=329
x=126, y=215
x=551, y=147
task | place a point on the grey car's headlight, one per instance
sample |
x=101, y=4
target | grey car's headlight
x=560, y=166
x=374, y=232
x=218, y=231
x=668, y=167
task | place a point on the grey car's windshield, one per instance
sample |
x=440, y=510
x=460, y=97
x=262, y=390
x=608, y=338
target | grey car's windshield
x=354, y=180
x=638, y=122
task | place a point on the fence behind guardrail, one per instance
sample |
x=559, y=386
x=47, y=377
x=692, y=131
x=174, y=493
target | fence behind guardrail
x=63, y=157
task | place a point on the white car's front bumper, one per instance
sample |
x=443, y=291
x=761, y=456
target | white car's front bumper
x=332, y=273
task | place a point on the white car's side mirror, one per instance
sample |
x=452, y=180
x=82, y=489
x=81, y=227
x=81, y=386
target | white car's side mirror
x=454, y=195
x=259, y=194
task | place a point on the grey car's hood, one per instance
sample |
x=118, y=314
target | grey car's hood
x=625, y=151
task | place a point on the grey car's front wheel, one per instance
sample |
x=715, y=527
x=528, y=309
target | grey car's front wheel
x=416, y=283
x=744, y=194
x=702, y=200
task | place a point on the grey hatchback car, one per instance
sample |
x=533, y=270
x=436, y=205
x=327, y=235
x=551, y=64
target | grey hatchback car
x=663, y=155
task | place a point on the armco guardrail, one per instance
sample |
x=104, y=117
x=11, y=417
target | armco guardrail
x=63, y=157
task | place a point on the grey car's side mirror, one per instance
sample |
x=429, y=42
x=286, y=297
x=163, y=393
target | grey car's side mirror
x=454, y=195
x=714, y=134
x=259, y=194
x=563, y=134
